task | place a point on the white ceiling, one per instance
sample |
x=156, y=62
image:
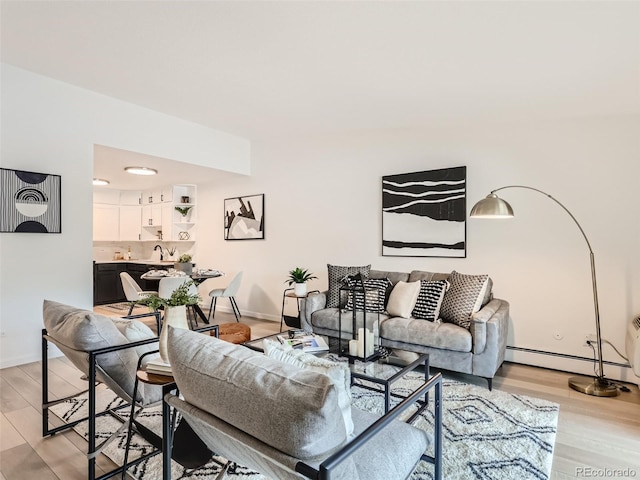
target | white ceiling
x=270, y=69
x=109, y=163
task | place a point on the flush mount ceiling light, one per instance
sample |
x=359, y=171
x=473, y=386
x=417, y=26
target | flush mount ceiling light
x=100, y=181
x=140, y=170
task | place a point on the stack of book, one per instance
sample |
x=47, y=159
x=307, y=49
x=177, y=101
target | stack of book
x=158, y=367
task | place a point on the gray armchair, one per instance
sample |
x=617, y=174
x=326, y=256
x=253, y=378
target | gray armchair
x=103, y=350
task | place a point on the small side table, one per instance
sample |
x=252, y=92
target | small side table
x=290, y=321
x=168, y=384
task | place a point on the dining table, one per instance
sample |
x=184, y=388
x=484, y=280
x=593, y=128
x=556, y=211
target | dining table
x=197, y=275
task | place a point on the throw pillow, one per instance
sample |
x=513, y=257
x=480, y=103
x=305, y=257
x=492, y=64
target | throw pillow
x=135, y=331
x=339, y=373
x=464, y=298
x=430, y=299
x=375, y=291
x=403, y=298
x=336, y=275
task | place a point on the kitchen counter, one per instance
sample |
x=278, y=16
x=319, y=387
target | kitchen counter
x=138, y=262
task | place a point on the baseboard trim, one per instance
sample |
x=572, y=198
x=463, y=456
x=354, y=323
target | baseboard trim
x=569, y=363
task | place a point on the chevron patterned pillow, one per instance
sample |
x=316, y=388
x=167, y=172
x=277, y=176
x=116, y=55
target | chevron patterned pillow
x=430, y=299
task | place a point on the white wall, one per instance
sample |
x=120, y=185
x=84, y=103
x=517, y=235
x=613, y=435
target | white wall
x=323, y=206
x=51, y=127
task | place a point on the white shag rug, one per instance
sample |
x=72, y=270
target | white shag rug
x=488, y=435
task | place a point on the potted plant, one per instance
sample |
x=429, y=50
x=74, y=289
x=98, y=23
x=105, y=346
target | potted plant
x=299, y=277
x=184, y=211
x=184, y=264
x=175, y=311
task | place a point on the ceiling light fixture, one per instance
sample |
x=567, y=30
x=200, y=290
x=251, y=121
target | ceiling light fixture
x=141, y=170
x=100, y=181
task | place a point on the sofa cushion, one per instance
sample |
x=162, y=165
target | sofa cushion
x=394, y=277
x=375, y=294
x=446, y=336
x=403, y=299
x=329, y=319
x=290, y=408
x=76, y=330
x=337, y=274
x=430, y=299
x=464, y=298
x=338, y=372
x=416, y=275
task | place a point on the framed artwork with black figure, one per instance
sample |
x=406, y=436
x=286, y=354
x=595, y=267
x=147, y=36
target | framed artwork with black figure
x=244, y=218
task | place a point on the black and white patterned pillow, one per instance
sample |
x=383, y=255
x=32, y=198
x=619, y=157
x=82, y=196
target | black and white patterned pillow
x=337, y=274
x=430, y=299
x=375, y=292
x=464, y=298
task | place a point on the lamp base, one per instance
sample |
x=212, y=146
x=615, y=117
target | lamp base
x=598, y=387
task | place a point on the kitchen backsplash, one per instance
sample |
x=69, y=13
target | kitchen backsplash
x=105, y=251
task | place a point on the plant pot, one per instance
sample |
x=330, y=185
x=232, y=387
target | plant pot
x=176, y=317
x=184, y=267
x=300, y=289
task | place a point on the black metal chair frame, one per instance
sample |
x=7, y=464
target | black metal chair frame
x=324, y=472
x=94, y=450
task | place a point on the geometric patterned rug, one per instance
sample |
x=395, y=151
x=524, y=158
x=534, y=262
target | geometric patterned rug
x=488, y=435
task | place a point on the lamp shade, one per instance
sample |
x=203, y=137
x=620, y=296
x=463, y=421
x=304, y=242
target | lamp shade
x=492, y=207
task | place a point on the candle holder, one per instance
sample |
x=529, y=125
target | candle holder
x=363, y=345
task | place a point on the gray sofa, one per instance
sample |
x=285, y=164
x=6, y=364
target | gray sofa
x=285, y=421
x=477, y=350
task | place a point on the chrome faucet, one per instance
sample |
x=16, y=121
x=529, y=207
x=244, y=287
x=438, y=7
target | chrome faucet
x=161, y=254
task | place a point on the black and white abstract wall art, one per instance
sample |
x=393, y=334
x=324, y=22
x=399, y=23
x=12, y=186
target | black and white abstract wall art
x=424, y=213
x=244, y=218
x=30, y=202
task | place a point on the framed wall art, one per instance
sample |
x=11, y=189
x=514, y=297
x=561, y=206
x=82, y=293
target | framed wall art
x=424, y=213
x=30, y=202
x=244, y=218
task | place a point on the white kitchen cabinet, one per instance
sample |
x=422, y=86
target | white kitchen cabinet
x=106, y=222
x=151, y=222
x=152, y=197
x=130, y=222
x=106, y=196
x=130, y=197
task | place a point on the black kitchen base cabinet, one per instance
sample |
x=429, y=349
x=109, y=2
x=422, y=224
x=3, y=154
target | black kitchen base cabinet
x=107, y=287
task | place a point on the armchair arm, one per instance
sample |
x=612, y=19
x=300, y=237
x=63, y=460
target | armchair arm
x=326, y=467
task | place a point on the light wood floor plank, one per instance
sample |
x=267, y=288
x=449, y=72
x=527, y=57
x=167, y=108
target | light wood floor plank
x=25, y=385
x=10, y=437
x=23, y=462
x=10, y=398
x=66, y=459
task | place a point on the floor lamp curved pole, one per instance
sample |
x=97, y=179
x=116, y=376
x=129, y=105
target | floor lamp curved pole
x=494, y=207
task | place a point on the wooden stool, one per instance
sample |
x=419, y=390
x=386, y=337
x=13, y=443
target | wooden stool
x=234, y=332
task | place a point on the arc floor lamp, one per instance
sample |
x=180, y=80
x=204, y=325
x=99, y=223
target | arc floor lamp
x=494, y=207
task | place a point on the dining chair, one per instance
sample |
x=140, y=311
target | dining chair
x=230, y=292
x=168, y=285
x=132, y=290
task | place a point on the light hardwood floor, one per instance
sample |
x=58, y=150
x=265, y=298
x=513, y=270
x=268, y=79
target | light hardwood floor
x=598, y=433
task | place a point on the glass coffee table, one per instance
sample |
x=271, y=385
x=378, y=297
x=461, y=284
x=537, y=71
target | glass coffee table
x=378, y=371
